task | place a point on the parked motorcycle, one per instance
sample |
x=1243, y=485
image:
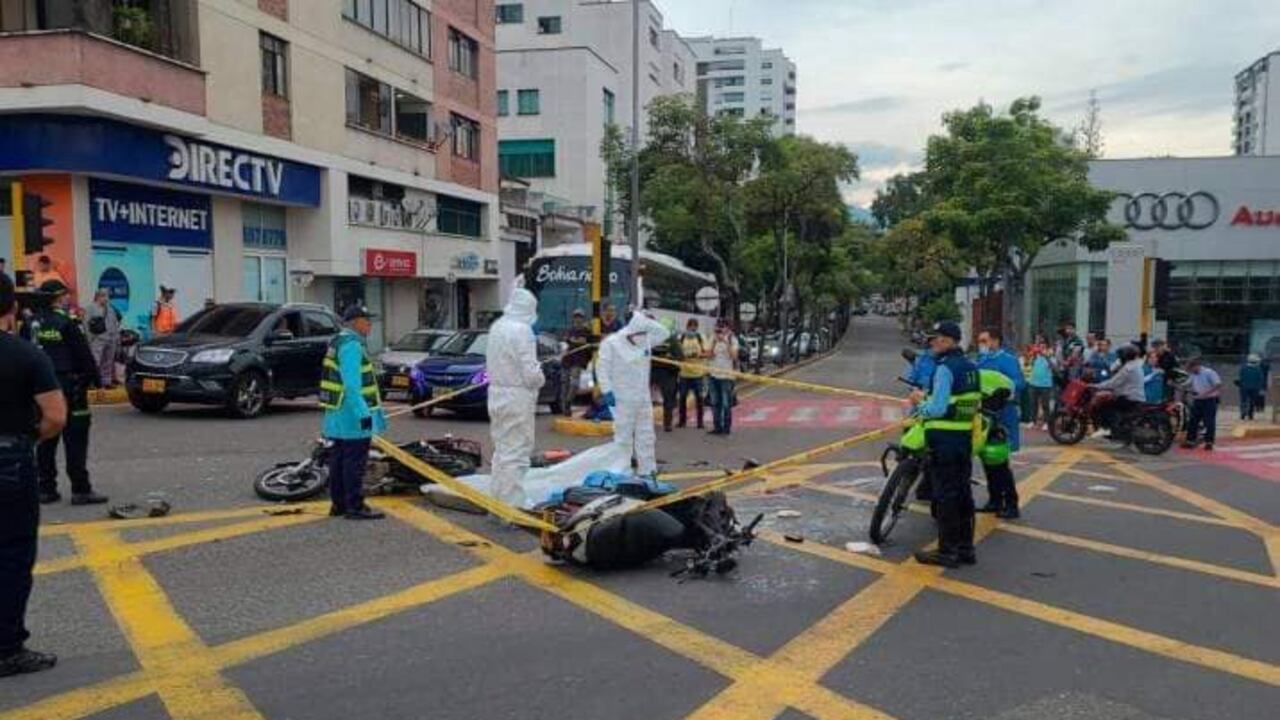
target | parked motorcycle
x=295, y=481
x=1149, y=428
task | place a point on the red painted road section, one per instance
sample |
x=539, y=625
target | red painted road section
x=815, y=414
x=1259, y=459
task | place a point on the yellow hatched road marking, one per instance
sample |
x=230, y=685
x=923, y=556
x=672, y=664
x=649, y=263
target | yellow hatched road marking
x=191, y=687
x=1131, y=507
x=54, y=530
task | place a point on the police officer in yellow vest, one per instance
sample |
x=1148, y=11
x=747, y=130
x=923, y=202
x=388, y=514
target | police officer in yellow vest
x=63, y=340
x=352, y=414
x=949, y=410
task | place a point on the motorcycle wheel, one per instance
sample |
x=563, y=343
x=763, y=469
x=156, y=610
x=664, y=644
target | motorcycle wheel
x=1151, y=434
x=1067, y=428
x=287, y=483
x=893, y=499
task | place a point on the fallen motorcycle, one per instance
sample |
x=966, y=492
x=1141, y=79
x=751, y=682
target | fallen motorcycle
x=601, y=528
x=294, y=481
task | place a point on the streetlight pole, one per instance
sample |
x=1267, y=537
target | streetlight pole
x=633, y=209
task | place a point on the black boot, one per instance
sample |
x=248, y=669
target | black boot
x=23, y=661
x=964, y=541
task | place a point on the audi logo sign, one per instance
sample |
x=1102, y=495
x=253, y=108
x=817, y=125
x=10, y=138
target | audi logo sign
x=1169, y=210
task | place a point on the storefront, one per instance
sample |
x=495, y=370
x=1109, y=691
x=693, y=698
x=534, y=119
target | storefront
x=1216, y=220
x=135, y=208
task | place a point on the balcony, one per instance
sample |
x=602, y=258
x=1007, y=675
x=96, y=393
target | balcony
x=77, y=57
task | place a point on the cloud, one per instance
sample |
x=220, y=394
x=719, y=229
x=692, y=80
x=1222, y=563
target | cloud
x=876, y=104
x=873, y=154
x=948, y=67
x=1181, y=90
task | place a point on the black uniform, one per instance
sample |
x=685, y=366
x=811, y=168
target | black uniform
x=63, y=340
x=24, y=374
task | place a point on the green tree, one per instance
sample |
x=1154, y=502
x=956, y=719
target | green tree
x=1006, y=185
x=901, y=197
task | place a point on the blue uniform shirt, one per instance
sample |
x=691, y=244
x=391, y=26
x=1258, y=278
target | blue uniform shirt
x=1003, y=362
x=922, y=370
x=935, y=405
x=345, y=421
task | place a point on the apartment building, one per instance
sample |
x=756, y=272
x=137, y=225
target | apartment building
x=564, y=75
x=740, y=77
x=331, y=151
x=1257, y=108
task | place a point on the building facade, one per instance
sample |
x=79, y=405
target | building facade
x=564, y=75
x=740, y=77
x=1216, y=220
x=1257, y=108
x=334, y=152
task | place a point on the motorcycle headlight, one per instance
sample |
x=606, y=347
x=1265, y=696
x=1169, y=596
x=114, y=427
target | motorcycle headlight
x=213, y=357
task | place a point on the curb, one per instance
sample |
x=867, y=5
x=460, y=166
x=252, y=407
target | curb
x=582, y=428
x=112, y=396
x=1247, y=431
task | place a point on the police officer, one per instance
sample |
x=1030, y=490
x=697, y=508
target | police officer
x=63, y=340
x=352, y=414
x=32, y=407
x=949, y=410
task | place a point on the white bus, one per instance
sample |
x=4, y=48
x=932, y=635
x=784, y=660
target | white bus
x=561, y=278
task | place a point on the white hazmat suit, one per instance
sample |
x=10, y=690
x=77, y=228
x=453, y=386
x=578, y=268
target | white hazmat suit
x=623, y=369
x=515, y=375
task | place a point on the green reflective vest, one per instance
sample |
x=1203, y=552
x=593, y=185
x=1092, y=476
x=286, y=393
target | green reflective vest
x=331, y=387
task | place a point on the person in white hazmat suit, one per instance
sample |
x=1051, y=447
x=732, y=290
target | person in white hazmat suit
x=515, y=376
x=623, y=372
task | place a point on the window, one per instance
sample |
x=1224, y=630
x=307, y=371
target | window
x=402, y=22
x=458, y=217
x=275, y=65
x=608, y=107
x=729, y=50
x=732, y=112
x=263, y=278
x=653, y=37
x=766, y=81
x=527, y=102
x=466, y=138
x=463, y=54
x=718, y=65
x=527, y=158
x=368, y=102
x=503, y=110
x=413, y=117
x=510, y=13
x=734, y=97
x=318, y=324
x=732, y=81
x=677, y=72
x=549, y=25
x=263, y=226
x=766, y=66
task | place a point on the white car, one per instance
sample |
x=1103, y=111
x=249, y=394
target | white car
x=396, y=361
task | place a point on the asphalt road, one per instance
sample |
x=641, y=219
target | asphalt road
x=1132, y=588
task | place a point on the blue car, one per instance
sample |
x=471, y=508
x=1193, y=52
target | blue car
x=460, y=363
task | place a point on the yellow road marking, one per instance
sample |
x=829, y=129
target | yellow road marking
x=706, y=650
x=815, y=651
x=198, y=537
x=53, y=530
x=191, y=687
x=1130, y=507
x=1155, y=558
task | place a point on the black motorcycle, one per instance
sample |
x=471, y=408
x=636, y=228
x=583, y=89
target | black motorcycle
x=294, y=481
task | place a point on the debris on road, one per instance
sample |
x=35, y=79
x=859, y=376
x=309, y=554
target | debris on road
x=788, y=514
x=134, y=511
x=279, y=512
x=1102, y=488
x=862, y=548
x=793, y=538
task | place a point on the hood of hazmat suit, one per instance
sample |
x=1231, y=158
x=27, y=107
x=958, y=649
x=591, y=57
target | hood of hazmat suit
x=623, y=369
x=515, y=375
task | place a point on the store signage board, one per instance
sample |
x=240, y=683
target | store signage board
x=390, y=263
x=122, y=212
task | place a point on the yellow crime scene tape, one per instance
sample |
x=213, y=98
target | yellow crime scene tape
x=524, y=519
x=778, y=382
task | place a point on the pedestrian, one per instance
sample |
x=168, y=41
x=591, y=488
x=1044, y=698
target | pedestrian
x=32, y=408
x=164, y=317
x=724, y=362
x=693, y=375
x=1251, y=386
x=577, y=340
x=667, y=377
x=1040, y=383
x=948, y=409
x=352, y=413
x=623, y=370
x=45, y=271
x=1002, y=493
x=1206, y=390
x=103, y=321
x=609, y=322
x=1153, y=378
x=63, y=340
x=1101, y=361
x=1167, y=362
x=515, y=376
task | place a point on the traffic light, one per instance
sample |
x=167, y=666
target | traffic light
x=33, y=223
x=1160, y=290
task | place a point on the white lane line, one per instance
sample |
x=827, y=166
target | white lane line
x=890, y=413
x=759, y=414
x=1269, y=455
x=806, y=413
x=848, y=414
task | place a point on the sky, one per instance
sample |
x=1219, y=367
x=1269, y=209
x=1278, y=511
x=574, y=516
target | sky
x=877, y=75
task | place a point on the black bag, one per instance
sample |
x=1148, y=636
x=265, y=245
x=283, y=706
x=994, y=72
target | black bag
x=97, y=325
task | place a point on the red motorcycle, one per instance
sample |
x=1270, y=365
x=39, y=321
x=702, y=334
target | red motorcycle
x=1148, y=427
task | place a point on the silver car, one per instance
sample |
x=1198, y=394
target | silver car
x=396, y=361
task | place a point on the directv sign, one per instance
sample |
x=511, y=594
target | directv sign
x=122, y=212
x=100, y=146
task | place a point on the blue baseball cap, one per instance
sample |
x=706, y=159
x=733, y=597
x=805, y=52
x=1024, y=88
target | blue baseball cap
x=946, y=328
x=356, y=312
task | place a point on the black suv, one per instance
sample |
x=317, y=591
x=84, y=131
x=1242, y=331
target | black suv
x=239, y=355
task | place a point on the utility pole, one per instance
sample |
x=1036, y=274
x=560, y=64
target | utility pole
x=633, y=209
